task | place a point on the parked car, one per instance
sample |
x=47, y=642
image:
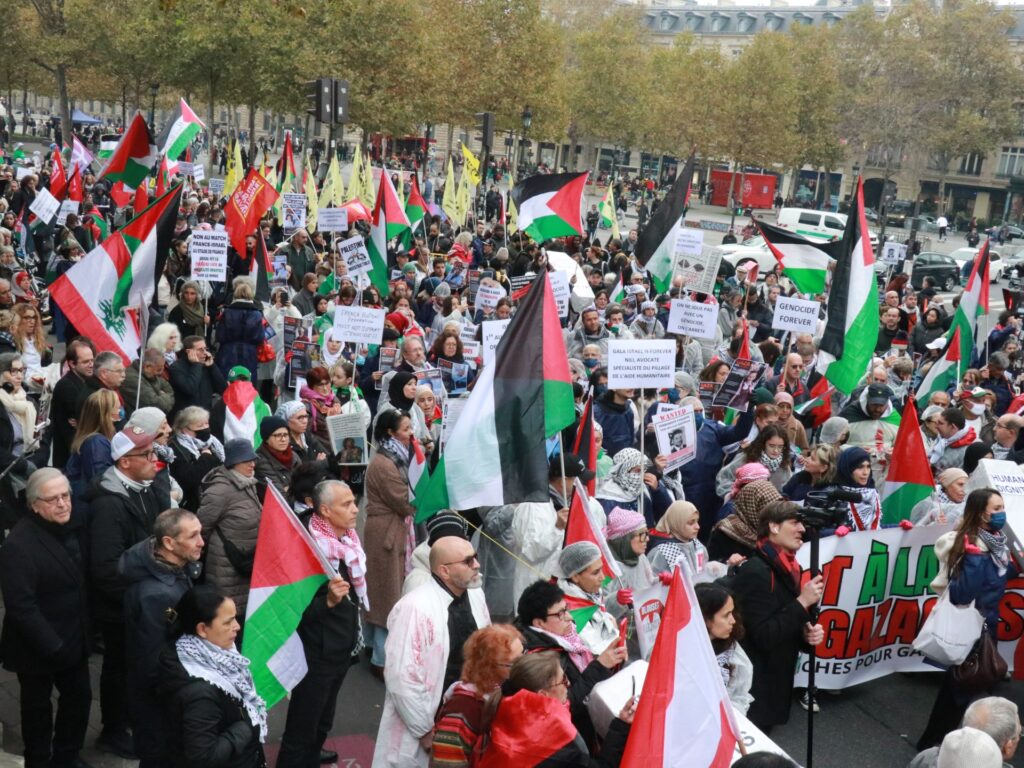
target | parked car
x=944, y=269
x=752, y=249
x=925, y=224
x=1013, y=264
x=964, y=257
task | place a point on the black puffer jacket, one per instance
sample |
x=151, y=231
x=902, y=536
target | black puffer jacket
x=209, y=728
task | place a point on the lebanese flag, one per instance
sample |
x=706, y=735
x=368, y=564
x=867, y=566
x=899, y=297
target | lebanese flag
x=581, y=526
x=134, y=157
x=684, y=717
x=253, y=197
x=549, y=205
x=584, y=445
x=243, y=412
x=909, y=479
x=58, y=176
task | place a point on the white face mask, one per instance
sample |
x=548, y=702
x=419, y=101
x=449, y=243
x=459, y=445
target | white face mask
x=977, y=408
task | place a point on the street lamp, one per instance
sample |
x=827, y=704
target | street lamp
x=153, y=89
x=527, y=117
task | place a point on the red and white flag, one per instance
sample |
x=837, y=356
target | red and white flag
x=684, y=716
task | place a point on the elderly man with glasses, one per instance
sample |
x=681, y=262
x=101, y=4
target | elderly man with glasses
x=426, y=632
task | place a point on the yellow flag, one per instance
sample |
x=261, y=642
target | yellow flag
x=337, y=185
x=309, y=182
x=609, y=216
x=472, y=164
x=513, y=214
x=235, y=169
x=448, y=202
x=354, y=181
x=462, y=199
x=367, y=193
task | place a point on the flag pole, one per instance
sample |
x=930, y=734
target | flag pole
x=143, y=333
x=643, y=430
x=561, y=460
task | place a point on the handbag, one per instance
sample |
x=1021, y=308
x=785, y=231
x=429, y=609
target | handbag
x=983, y=667
x=950, y=632
x=265, y=353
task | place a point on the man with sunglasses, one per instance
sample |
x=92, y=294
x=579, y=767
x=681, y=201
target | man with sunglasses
x=426, y=632
x=123, y=505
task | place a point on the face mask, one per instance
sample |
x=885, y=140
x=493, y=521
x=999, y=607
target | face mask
x=977, y=408
x=591, y=362
x=360, y=359
x=997, y=521
x=698, y=420
x=203, y=434
x=673, y=395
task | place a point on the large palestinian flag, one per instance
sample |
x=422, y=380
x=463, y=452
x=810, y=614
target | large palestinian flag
x=550, y=205
x=119, y=275
x=180, y=131
x=244, y=409
x=495, y=454
x=656, y=246
x=389, y=222
x=803, y=261
x=851, y=330
x=134, y=157
x=909, y=479
x=944, y=373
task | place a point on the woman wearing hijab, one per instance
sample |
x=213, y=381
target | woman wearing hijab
x=625, y=483
x=331, y=348
x=946, y=504
x=217, y=718
x=854, y=476
x=402, y=397
x=735, y=537
x=673, y=541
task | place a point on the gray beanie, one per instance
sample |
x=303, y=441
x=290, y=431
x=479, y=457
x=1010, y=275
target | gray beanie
x=833, y=429
x=443, y=291
x=684, y=381
x=578, y=556
x=149, y=419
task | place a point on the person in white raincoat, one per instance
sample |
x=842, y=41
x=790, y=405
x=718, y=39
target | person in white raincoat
x=418, y=652
x=580, y=563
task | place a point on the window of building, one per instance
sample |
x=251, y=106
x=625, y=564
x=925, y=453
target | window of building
x=1011, y=162
x=970, y=165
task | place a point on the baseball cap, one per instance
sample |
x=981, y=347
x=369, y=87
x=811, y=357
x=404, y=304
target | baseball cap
x=879, y=394
x=129, y=439
x=574, y=467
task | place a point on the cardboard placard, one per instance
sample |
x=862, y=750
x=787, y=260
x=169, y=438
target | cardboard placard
x=893, y=252
x=198, y=172
x=488, y=296
x=676, y=433
x=353, y=252
x=451, y=409
x=216, y=186
x=797, y=315
x=493, y=330
x=185, y=169
x=208, y=251
x=693, y=318
x=66, y=207
x=561, y=290
x=348, y=438
x=332, y=219
x=45, y=206
x=641, y=364
x=387, y=362
x=738, y=388
x=698, y=268
x=363, y=325
x=293, y=209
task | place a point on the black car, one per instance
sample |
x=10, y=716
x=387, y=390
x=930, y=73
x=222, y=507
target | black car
x=938, y=265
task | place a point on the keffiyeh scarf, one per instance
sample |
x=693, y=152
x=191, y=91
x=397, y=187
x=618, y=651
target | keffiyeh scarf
x=347, y=549
x=194, y=445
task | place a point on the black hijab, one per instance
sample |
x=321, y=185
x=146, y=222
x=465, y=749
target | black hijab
x=395, y=394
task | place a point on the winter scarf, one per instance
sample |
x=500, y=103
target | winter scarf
x=998, y=548
x=959, y=439
x=193, y=316
x=866, y=513
x=572, y=644
x=742, y=524
x=319, y=405
x=623, y=484
x=781, y=560
x=194, y=445
x=772, y=463
x=20, y=407
x=345, y=548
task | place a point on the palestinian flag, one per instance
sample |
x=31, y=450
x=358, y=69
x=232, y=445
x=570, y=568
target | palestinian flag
x=119, y=275
x=851, y=329
x=584, y=445
x=261, y=271
x=656, y=246
x=134, y=157
x=163, y=177
x=909, y=480
x=944, y=374
x=819, y=405
x=287, y=572
x=974, y=305
x=389, y=222
x=106, y=149
x=243, y=412
x=803, y=261
x=415, y=210
x=495, y=454
x=581, y=526
x=448, y=204
x=549, y=205
x=609, y=216
x=180, y=131
x=418, y=472
x=285, y=166
x=618, y=292
x=101, y=223
x=58, y=176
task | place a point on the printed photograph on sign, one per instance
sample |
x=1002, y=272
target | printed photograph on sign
x=348, y=438
x=387, y=362
x=293, y=210
x=676, y=433
x=738, y=388
x=699, y=269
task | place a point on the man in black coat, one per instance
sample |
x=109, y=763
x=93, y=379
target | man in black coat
x=776, y=612
x=158, y=572
x=194, y=377
x=122, y=509
x=108, y=373
x=66, y=395
x=329, y=630
x=45, y=637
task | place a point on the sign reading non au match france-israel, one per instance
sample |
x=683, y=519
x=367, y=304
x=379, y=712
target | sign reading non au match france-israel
x=208, y=252
x=641, y=364
x=797, y=315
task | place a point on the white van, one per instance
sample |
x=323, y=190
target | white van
x=812, y=224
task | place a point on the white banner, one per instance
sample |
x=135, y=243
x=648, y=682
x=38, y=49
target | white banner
x=45, y=205
x=488, y=295
x=641, y=364
x=797, y=315
x=693, y=318
x=362, y=325
x=216, y=186
x=676, y=433
x=561, y=290
x=198, y=172
x=492, y=333
x=332, y=219
x=208, y=251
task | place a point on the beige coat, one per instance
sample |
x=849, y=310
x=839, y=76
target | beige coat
x=386, y=534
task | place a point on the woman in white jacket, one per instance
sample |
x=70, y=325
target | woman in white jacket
x=726, y=630
x=580, y=564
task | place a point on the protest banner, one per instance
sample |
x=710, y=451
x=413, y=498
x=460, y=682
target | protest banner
x=353, y=252
x=45, y=205
x=293, y=209
x=21, y=171
x=693, y=318
x=66, y=207
x=348, y=437
x=363, y=325
x=1007, y=477
x=216, y=186
x=332, y=219
x=561, y=290
x=738, y=388
x=676, y=433
x=641, y=364
x=208, y=252
x=492, y=333
x=488, y=295
x=797, y=315
x=198, y=172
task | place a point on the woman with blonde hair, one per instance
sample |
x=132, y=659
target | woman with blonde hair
x=30, y=338
x=818, y=473
x=167, y=339
x=90, y=447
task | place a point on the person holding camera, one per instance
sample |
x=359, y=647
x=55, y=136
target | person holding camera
x=194, y=377
x=776, y=611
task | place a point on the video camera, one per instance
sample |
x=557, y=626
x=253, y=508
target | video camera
x=828, y=509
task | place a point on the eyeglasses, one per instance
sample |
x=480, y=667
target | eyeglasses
x=60, y=497
x=563, y=682
x=468, y=562
x=769, y=448
x=562, y=614
x=642, y=536
x=150, y=454
x=279, y=435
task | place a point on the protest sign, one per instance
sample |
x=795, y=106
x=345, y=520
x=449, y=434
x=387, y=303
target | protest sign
x=208, y=251
x=185, y=169
x=519, y=282
x=454, y=376
x=676, y=433
x=293, y=208
x=305, y=355
x=198, y=172
x=21, y=171
x=641, y=364
x=471, y=349
x=487, y=296
x=451, y=409
x=291, y=330
x=698, y=266
x=216, y=186
x=432, y=379
x=562, y=292
x=739, y=386
x=492, y=333
x=706, y=393
x=647, y=607
x=893, y=252
x=353, y=252
x=332, y=219
x=388, y=360
x=797, y=315
x=348, y=437
x=45, y=205
x=693, y=318
x=363, y=325
x=467, y=332
x=66, y=207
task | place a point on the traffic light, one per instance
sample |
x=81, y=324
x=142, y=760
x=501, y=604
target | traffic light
x=340, y=101
x=486, y=126
x=320, y=93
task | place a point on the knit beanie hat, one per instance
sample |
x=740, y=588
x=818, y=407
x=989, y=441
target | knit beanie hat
x=149, y=418
x=578, y=556
x=623, y=522
x=445, y=523
x=270, y=425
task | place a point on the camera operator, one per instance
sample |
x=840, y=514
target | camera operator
x=776, y=611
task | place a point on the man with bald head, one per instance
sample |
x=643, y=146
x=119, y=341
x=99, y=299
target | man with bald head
x=791, y=380
x=426, y=631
